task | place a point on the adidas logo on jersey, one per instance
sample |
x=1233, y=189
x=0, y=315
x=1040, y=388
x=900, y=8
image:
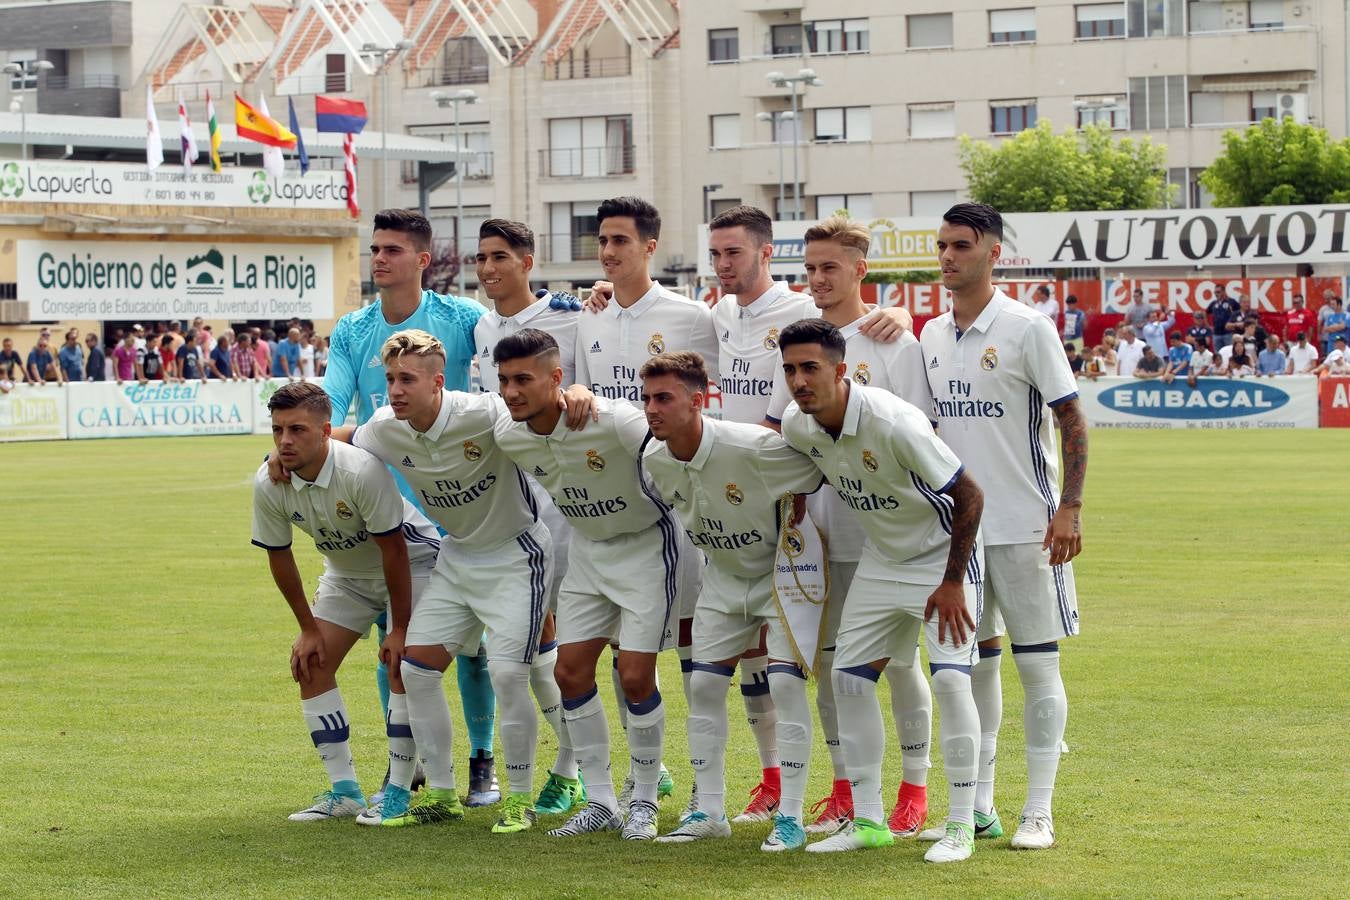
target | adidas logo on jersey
x=407, y=461
x=375, y=362
x=595, y=348
x=539, y=473
x=296, y=517
x=726, y=335
x=933, y=364
x=815, y=454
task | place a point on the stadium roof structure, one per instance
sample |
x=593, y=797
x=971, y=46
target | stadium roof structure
x=42, y=129
x=498, y=26
x=651, y=26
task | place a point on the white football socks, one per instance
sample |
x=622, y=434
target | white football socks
x=546, y=693
x=517, y=722
x=589, y=731
x=787, y=683
x=708, y=687
x=912, y=708
x=402, y=747
x=986, y=685
x=960, y=737
x=759, y=710
x=862, y=733
x=1045, y=714
x=429, y=717
x=646, y=734
x=829, y=715
x=326, y=717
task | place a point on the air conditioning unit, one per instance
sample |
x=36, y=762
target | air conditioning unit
x=1292, y=106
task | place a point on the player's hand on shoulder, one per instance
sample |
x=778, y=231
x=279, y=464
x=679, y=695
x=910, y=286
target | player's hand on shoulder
x=276, y=471
x=601, y=293
x=887, y=324
x=579, y=406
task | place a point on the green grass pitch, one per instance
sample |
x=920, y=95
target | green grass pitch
x=153, y=745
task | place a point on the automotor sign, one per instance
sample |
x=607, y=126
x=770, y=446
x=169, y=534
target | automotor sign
x=42, y=181
x=1283, y=402
x=175, y=279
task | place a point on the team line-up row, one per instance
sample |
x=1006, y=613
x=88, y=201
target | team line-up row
x=615, y=512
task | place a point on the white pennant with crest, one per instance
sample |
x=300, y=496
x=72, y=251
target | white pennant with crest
x=801, y=585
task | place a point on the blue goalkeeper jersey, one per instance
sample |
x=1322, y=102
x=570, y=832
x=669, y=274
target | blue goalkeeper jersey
x=354, y=363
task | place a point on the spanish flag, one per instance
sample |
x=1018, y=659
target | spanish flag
x=257, y=126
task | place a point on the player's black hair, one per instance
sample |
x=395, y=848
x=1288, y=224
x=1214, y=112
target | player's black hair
x=528, y=342
x=814, y=331
x=644, y=215
x=754, y=220
x=980, y=217
x=406, y=221
x=302, y=395
x=517, y=235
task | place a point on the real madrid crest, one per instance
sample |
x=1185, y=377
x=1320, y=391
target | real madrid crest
x=989, y=361
x=861, y=374
x=734, y=495
x=594, y=461
x=771, y=339
x=656, y=345
x=472, y=452
x=870, y=461
x=793, y=543
x=343, y=510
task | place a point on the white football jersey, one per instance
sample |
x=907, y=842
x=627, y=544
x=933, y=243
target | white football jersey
x=890, y=469
x=992, y=392
x=461, y=477
x=492, y=327
x=748, y=355
x=727, y=495
x=593, y=475
x=351, y=499
x=613, y=344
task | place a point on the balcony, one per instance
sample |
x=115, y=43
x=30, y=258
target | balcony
x=455, y=73
x=478, y=168
x=330, y=83
x=587, y=162
x=566, y=248
x=588, y=67
x=81, y=95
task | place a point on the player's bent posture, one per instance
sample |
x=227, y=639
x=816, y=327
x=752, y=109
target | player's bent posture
x=836, y=263
x=628, y=565
x=726, y=479
x=996, y=368
x=400, y=251
x=492, y=571
x=378, y=552
x=505, y=260
x=920, y=567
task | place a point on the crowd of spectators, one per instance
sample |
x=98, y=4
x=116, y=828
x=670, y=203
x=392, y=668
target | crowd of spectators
x=168, y=353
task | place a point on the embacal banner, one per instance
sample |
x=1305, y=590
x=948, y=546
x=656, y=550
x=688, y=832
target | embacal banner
x=1288, y=401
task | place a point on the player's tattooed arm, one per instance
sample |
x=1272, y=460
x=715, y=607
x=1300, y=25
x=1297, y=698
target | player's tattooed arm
x=949, y=600
x=1064, y=536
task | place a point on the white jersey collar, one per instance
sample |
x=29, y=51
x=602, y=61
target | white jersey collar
x=854, y=327
x=322, y=479
x=442, y=422
x=989, y=313
x=644, y=303
x=525, y=315
x=764, y=302
x=705, y=446
x=853, y=411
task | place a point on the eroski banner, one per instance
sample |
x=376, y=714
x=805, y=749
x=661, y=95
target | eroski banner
x=175, y=279
x=1282, y=402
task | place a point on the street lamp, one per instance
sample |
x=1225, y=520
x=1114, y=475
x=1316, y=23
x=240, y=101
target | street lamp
x=776, y=117
x=24, y=69
x=707, y=204
x=383, y=54
x=464, y=95
x=806, y=78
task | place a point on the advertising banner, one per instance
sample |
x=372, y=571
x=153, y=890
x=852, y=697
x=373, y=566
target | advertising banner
x=107, y=409
x=1187, y=295
x=1124, y=239
x=262, y=391
x=31, y=413
x=50, y=181
x=175, y=280
x=1283, y=402
x=1334, y=397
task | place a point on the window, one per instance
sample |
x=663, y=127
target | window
x=858, y=206
x=27, y=79
x=785, y=40
x=724, y=45
x=786, y=129
x=1154, y=18
x=929, y=31
x=837, y=36
x=787, y=210
x=1207, y=108
x=725, y=131
x=1099, y=20
x=573, y=231
x=1012, y=26
x=844, y=123
x=1265, y=15
x=473, y=137
x=442, y=220
x=463, y=60
x=1158, y=102
x=719, y=206
x=1265, y=105
x=932, y=120
x=1110, y=111
x=1011, y=116
x=593, y=147
x=931, y=203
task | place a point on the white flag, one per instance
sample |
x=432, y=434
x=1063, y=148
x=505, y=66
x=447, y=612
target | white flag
x=187, y=142
x=154, y=146
x=273, y=162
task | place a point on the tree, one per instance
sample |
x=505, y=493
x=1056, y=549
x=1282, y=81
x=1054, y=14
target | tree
x=1279, y=164
x=1040, y=171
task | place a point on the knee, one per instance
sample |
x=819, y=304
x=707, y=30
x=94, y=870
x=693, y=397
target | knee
x=509, y=677
x=950, y=681
x=637, y=680
x=571, y=676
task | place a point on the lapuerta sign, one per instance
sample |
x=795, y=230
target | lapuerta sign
x=1113, y=239
x=175, y=279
